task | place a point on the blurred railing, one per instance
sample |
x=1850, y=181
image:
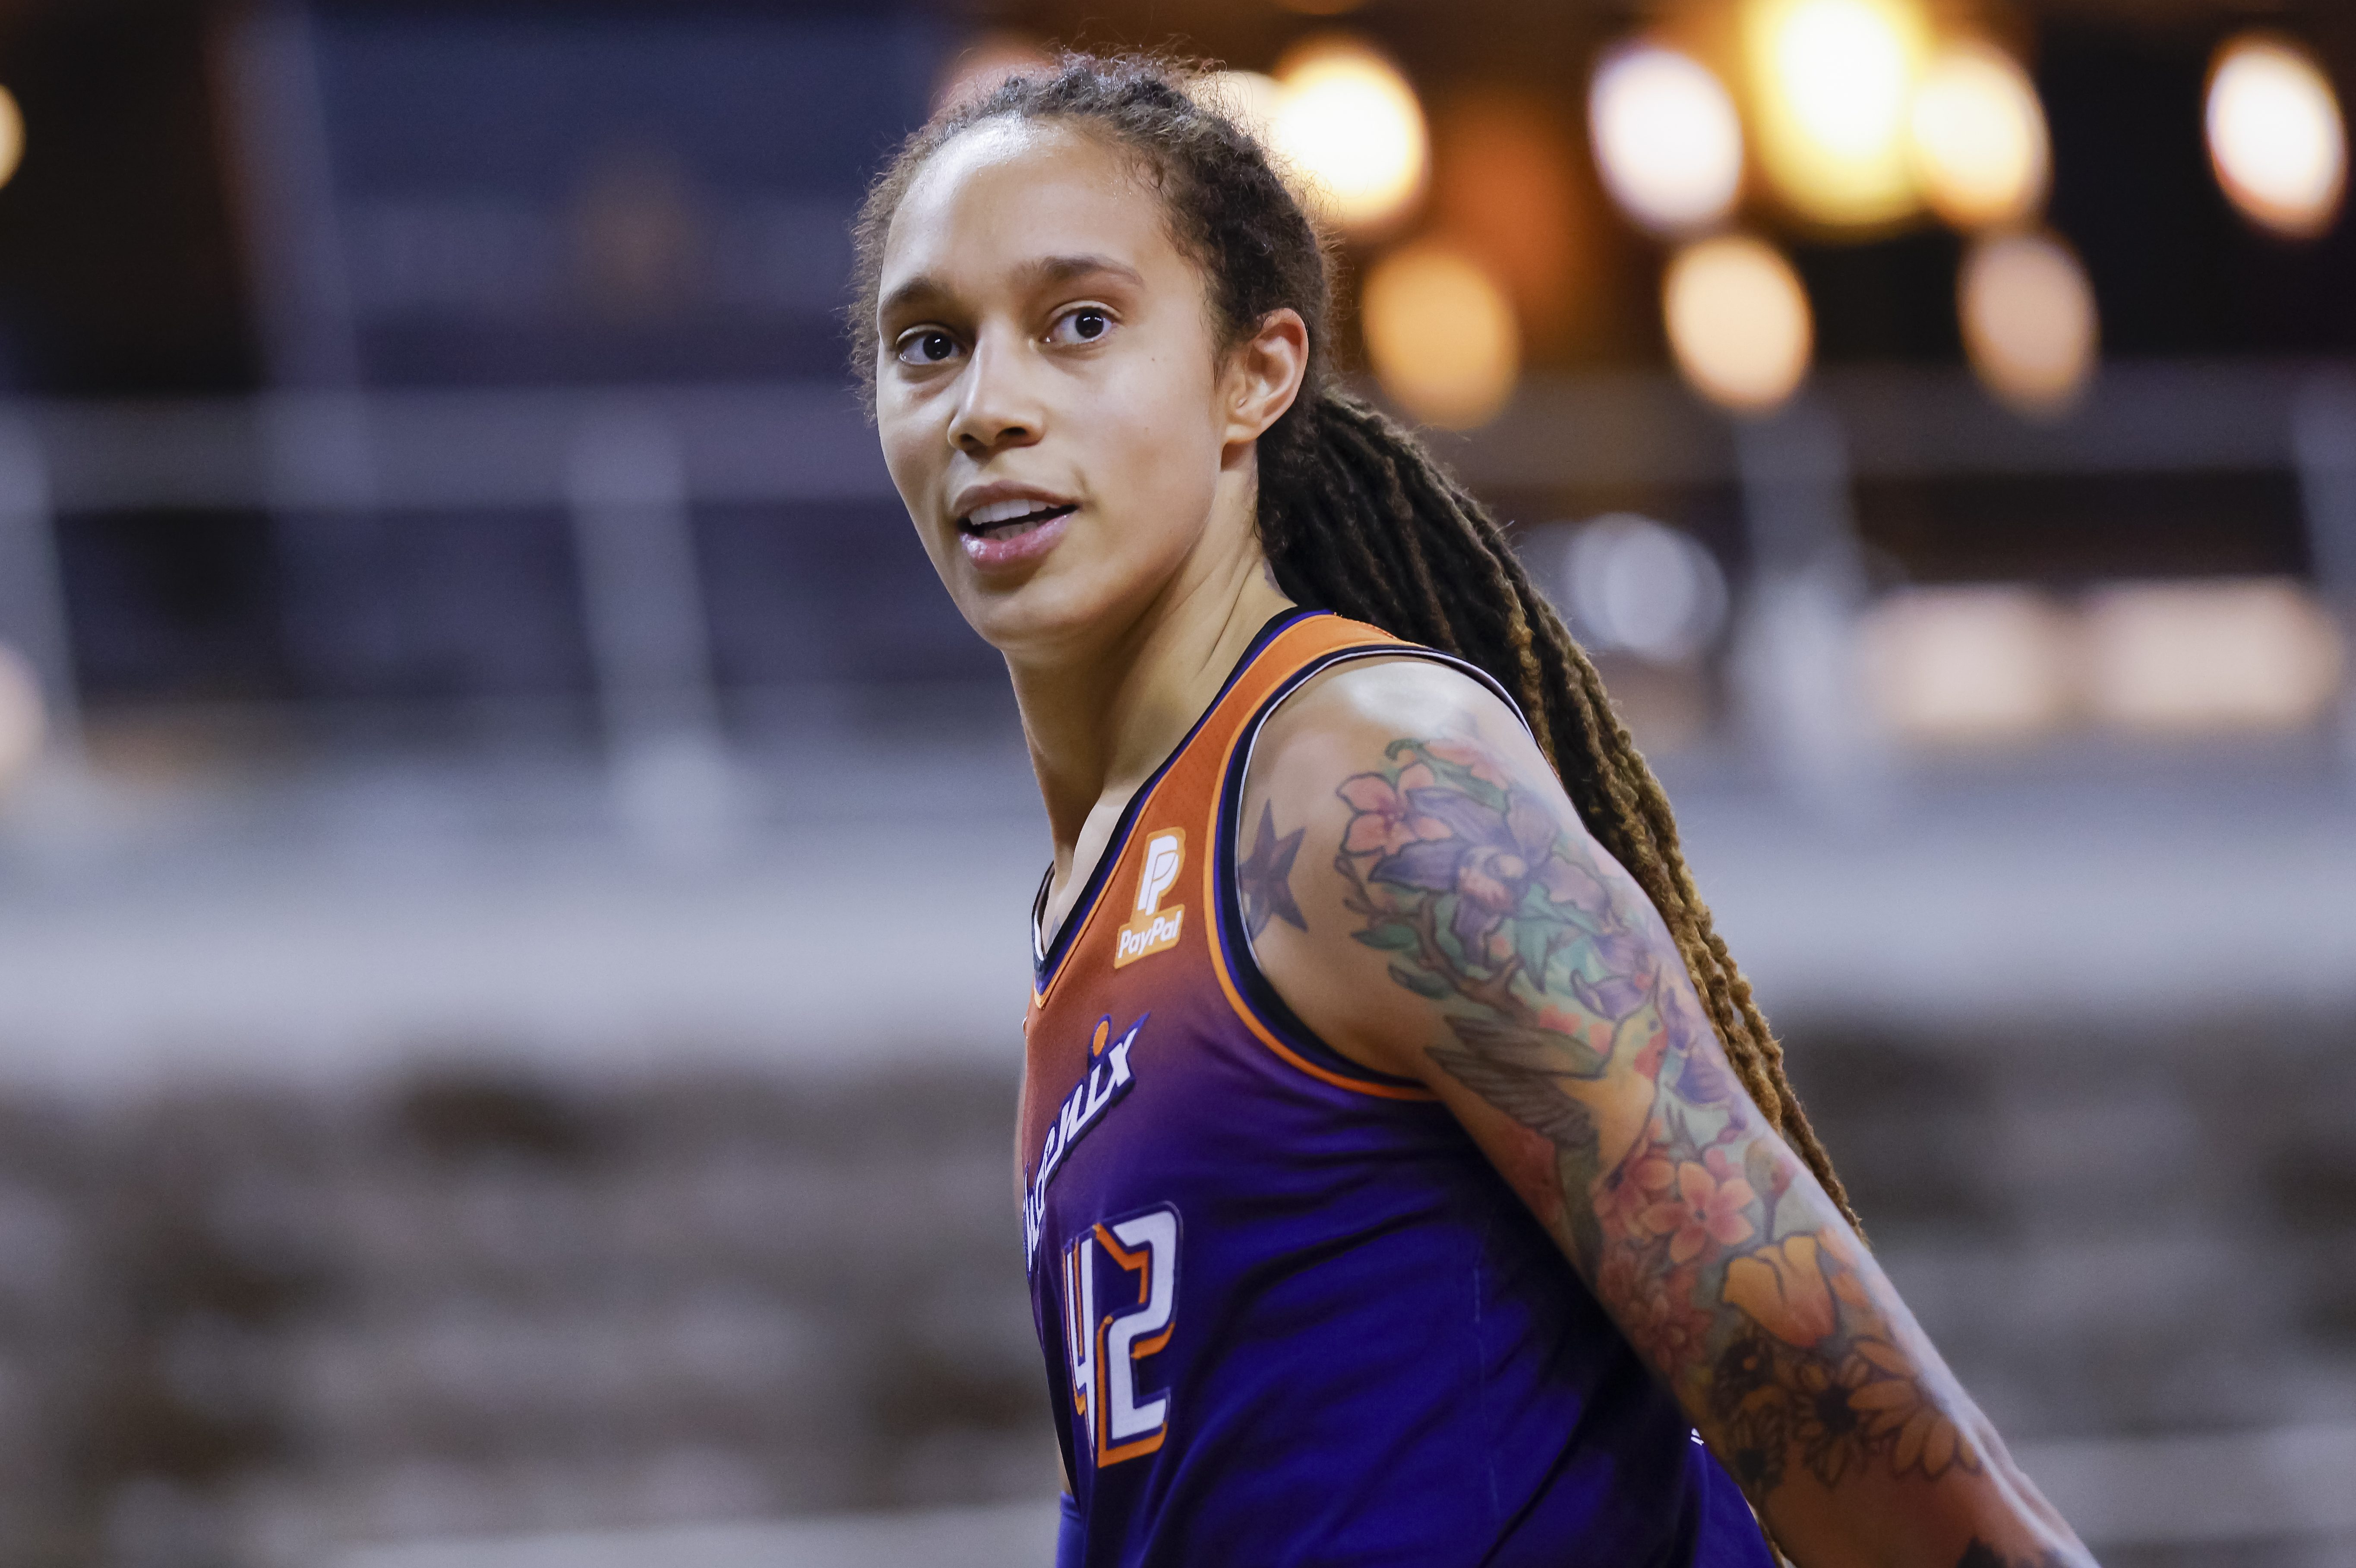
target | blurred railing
x=629, y=465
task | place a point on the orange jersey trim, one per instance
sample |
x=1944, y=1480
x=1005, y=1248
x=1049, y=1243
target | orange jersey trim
x=1242, y=1008
x=1308, y=640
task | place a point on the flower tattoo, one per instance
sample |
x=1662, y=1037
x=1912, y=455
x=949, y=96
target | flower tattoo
x=1566, y=1010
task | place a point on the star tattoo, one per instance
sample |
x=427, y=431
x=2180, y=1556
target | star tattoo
x=1265, y=877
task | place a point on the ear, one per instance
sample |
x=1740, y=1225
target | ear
x=1264, y=374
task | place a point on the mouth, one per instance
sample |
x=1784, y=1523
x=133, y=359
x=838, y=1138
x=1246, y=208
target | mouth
x=1007, y=536
x=1001, y=522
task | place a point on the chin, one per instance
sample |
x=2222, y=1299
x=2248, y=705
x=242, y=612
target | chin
x=1051, y=611
x=1033, y=617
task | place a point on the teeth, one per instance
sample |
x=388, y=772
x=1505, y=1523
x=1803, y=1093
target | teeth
x=999, y=512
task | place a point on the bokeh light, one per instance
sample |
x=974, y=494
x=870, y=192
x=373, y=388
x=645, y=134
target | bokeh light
x=12, y=135
x=2231, y=655
x=1738, y=322
x=1348, y=121
x=1995, y=661
x=1249, y=98
x=1441, y=334
x=1833, y=82
x=23, y=719
x=1980, y=145
x=2030, y=321
x=1988, y=662
x=2275, y=135
x=1641, y=587
x=1667, y=138
x=1505, y=187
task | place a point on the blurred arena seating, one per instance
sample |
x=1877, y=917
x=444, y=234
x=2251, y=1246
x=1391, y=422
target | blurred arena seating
x=269, y=1326
x=258, y=1325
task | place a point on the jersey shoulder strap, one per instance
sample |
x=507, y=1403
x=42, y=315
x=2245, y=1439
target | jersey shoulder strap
x=1255, y=1000
x=1183, y=799
x=1183, y=789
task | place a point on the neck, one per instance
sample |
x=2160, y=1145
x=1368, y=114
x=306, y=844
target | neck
x=1100, y=720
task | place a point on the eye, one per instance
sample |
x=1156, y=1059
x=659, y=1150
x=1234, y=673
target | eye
x=925, y=345
x=1086, y=324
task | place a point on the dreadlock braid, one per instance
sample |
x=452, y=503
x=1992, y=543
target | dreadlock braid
x=1354, y=515
x=1473, y=597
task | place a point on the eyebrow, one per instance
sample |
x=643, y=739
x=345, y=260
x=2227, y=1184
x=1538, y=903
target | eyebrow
x=915, y=289
x=1046, y=269
x=1064, y=269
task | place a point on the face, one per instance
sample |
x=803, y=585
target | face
x=1068, y=440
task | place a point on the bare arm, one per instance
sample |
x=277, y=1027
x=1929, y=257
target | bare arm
x=1447, y=917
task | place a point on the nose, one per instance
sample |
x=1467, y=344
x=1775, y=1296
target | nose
x=1000, y=407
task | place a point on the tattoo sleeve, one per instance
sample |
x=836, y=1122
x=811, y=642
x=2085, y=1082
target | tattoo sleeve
x=1566, y=1008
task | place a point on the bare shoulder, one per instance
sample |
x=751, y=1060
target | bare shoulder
x=1378, y=778
x=1352, y=714
x=1386, y=693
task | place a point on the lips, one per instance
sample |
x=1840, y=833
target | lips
x=1015, y=528
x=1004, y=520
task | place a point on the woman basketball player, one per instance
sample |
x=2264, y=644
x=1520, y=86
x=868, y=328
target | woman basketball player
x=1406, y=1175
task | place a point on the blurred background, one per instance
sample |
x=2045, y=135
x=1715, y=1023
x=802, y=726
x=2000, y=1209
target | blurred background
x=512, y=873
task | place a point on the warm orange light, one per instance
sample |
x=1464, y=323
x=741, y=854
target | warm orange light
x=1667, y=138
x=1979, y=141
x=1441, y=334
x=1832, y=84
x=1738, y=322
x=1349, y=122
x=1503, y=187
x=2029, y=320
x=2276, y=136
x=1249, y=98
x=12, y=135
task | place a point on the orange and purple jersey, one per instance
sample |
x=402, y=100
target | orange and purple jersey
x=1290, y=1313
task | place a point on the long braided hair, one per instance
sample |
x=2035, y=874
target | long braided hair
x=1353, y=515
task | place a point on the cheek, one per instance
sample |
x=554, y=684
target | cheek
x=914, y=450
x=1160, y=451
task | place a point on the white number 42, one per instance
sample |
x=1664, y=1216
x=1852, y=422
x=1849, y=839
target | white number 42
x=1103, y=1351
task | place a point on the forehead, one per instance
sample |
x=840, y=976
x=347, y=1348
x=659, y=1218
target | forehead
x=1008, y=191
